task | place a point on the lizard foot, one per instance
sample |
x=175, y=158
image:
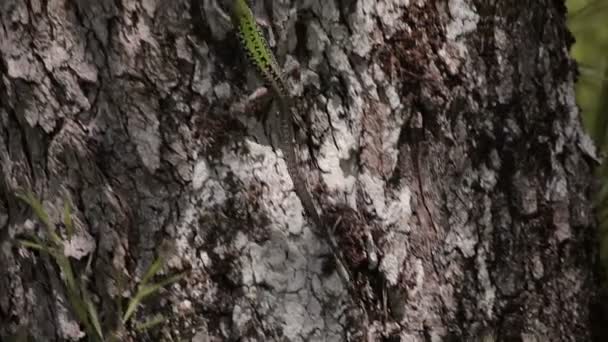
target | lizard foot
x=260, y=97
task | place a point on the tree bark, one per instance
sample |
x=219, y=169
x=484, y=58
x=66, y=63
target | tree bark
x=441, y=138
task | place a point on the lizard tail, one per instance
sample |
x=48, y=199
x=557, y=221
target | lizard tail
x=287, y=145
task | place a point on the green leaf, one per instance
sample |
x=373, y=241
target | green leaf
x=152, y=270
x=29, y=198
x=145, y=290
x=133, y=303
x=150, y=323
x=32, y=245
x=94, y=317
x=79, y=309
x=66, y=268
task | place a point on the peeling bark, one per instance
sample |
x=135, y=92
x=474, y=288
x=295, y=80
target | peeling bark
x=441, y=137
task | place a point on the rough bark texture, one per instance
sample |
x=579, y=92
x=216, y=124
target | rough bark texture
x=446, y=132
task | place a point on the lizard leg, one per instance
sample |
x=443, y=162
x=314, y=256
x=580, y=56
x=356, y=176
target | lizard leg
x=259, y=101
x=260, y=96
x=262, y=22
x=264, y=98
x=260, y=93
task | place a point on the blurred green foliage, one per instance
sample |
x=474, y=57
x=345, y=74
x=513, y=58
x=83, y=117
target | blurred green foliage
x=588, y=21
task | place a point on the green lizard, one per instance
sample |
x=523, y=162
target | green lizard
x=260, y=55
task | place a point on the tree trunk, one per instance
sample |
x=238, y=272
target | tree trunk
x=440, y=139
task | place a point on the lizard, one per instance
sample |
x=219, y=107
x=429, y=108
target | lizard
x=261, y=57
x=259, y=53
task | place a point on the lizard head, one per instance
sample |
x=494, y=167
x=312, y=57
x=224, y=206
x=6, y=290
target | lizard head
x=240, y=10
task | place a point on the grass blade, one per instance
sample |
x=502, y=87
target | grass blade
x=94, y=317
x=150, y=323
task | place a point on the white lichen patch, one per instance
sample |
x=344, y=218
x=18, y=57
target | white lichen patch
x=223, y=91
x=182, y=236
x=557, y=190
x=331, y=154
x=24, y=66
x=297, y=320
x=394, y=99
x=332, y=285
x=463, y=238
x=202, y=80
x=242, y=315
x=390, y=267
x=390, y=13
x=244, y=168
x=339, y=60
x=362, y=40
x=282, y=202
x=416, y=276
x=488, y=297
x=452, y=55
x=269, y=265
x=79, y=245
x=68, y=327
x=200, y=174
x=505, y=89
x=488, y=178
x=464, y=19
x=316, y=39
x=276, y=273
x=143, y=127
x=326, y=10
x=398, y=211
x=395, y=252
x=374, y=188
x=279, y=277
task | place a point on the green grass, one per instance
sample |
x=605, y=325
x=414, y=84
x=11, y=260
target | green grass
x=82, y=305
